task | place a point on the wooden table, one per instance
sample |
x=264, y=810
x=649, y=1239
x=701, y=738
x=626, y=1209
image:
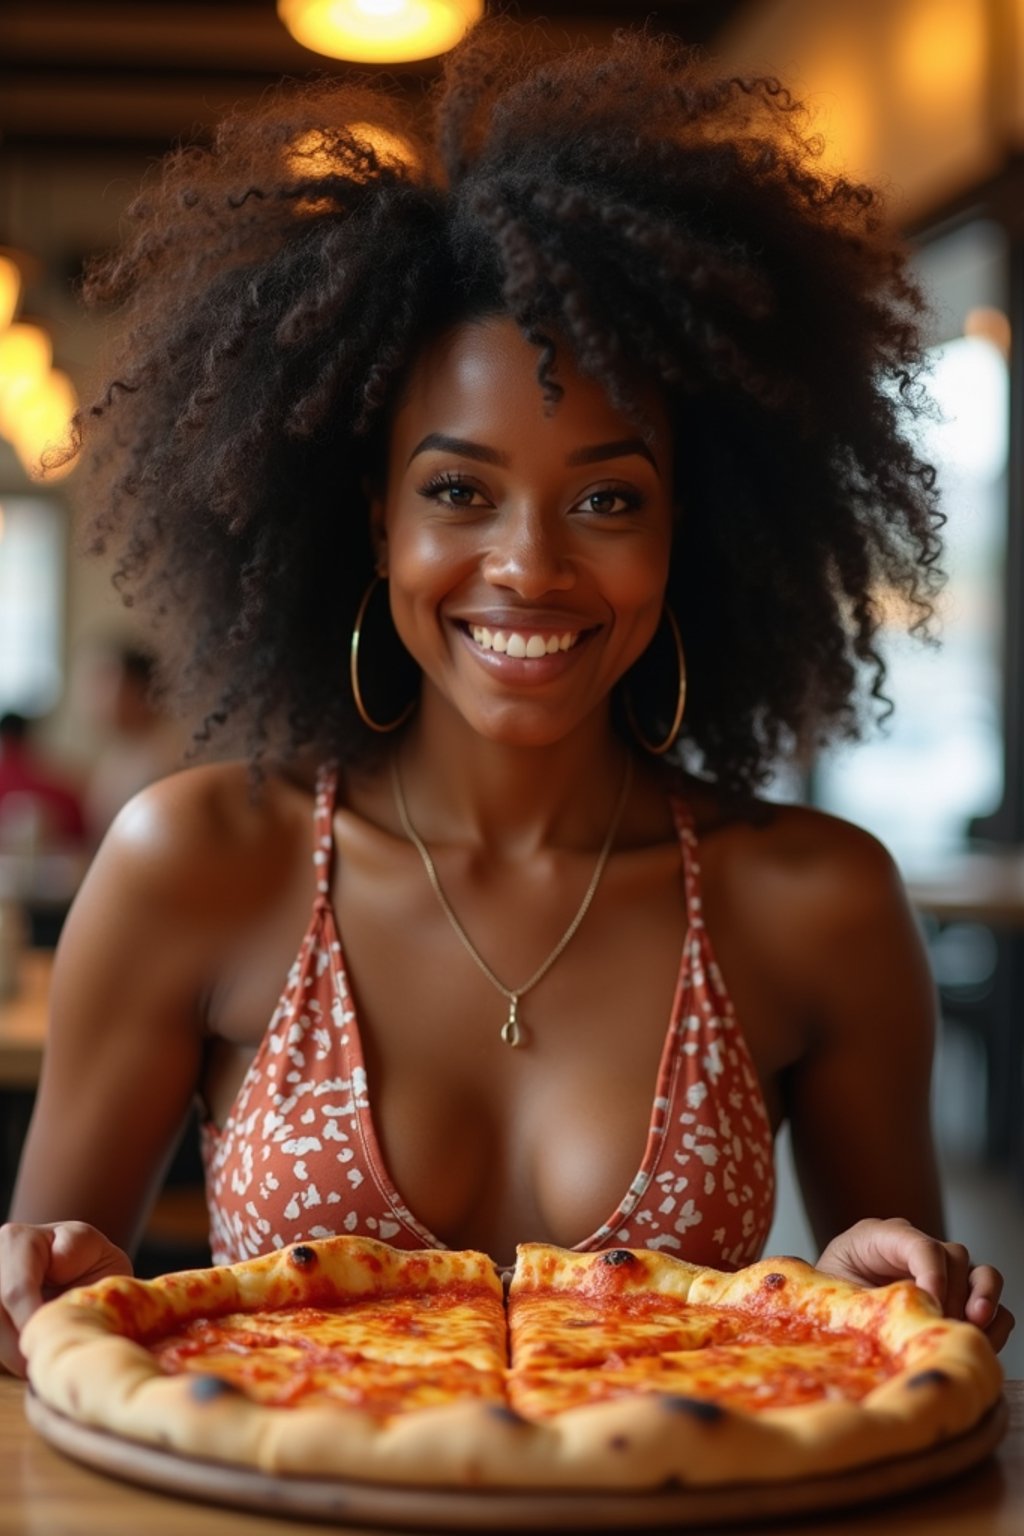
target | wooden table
x=43, y=1494
x=976, y=886
x=23, y=1020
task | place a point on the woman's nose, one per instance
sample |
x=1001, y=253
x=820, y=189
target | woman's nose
x=528, y=556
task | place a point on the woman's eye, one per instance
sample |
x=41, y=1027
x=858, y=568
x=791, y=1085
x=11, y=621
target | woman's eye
x=607, y=503
x=452, y=492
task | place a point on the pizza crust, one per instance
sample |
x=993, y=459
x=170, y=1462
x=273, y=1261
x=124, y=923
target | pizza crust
x=82, y=1363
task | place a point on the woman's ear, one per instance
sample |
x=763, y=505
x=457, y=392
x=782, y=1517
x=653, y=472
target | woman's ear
x=374, y=494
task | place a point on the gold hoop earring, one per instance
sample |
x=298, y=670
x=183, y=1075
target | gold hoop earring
x=353, y=669
x=659, y=748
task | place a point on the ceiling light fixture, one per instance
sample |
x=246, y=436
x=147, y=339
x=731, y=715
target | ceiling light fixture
x=10, y=289
x=379, y=31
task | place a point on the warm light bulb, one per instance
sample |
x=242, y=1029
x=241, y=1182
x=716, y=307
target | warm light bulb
x=25, y=354
x=379, y=31
x=10, y=290
x=38, y=418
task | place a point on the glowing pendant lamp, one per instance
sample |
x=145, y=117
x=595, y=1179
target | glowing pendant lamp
x=10, y=289
x=379, y=31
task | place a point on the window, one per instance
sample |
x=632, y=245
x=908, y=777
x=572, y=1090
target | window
x=32, y=557
x=937, y=765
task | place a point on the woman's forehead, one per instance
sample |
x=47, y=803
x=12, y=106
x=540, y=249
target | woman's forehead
x=482, y=377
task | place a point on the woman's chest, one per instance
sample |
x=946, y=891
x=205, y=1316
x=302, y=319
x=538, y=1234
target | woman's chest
x=483, y=1142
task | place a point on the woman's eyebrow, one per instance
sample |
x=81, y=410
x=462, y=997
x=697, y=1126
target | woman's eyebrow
x=461, y=446
x=595, y=454
x=617, y=450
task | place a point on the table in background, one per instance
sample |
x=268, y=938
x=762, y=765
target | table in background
x=44, y=1494
x=987, y=889
x=23, y=1020
x=977, y=887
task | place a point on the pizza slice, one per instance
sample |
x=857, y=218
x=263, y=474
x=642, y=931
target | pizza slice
x=425, y=1332
x=310, y=1357
x=776, y=1371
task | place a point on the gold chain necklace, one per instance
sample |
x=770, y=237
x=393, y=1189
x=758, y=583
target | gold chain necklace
x=511, y=1030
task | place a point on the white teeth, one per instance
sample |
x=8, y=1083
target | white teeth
x=519, y=646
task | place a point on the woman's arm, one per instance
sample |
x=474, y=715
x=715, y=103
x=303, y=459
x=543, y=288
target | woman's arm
x=124, y=1038
x=125, y=1041
x=859, y=1100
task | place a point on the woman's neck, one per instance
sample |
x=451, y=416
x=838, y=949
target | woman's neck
x=512, y=800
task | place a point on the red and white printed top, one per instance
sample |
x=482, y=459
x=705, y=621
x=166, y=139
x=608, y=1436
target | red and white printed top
x=298, y=1157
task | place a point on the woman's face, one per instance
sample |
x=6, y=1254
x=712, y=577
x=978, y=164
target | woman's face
x=527, y=551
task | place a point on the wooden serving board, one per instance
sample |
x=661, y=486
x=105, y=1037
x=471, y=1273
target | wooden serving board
x=454, y=1509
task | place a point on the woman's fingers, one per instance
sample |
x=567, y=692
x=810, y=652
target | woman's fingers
x=24, y=1258
x=877, y=1252
x=38, y=1261
x=983, y=1307
x=24, y=1261
x=80, y=1254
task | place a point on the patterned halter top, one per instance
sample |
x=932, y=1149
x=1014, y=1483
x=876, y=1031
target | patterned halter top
x=299, y=1157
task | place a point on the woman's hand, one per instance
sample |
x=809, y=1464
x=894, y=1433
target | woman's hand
x=36, y=1263
x=877, y=1252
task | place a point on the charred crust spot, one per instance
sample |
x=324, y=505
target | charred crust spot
x=303, y=1257
x=616, y=1256
x=504, y=1414
x=930, y=1378
x=774, y=1281
x=695, y=1407
x=206, y=1388
x=619, y=1443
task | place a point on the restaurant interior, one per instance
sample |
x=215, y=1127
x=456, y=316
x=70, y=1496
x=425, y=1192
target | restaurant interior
x=925, y=98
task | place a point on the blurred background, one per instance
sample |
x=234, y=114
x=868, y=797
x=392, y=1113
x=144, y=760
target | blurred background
x=925, y=97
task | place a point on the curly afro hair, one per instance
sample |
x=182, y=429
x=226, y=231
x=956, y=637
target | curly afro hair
x=624, y=202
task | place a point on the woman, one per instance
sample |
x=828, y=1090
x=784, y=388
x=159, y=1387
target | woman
x=464, y=468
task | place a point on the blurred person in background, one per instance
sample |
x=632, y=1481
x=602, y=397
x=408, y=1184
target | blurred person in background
x=139, y=742
x=39, y=806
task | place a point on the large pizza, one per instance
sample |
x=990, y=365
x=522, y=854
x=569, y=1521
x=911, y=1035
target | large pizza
x=626, y=1369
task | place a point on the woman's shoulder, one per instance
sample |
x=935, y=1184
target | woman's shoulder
x=207, y=832
x=798, y=860
x=803, y=908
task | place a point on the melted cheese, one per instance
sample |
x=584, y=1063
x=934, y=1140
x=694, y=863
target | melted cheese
x=389, y=1354
x=572, y=1347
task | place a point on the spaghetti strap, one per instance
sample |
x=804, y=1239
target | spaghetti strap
x=323, y=830
x=691, y=861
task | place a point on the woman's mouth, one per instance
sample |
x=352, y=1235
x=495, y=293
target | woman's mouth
x=519, y=645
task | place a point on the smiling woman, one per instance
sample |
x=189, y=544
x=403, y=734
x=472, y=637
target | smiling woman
x=465, y=473
x=526, y=549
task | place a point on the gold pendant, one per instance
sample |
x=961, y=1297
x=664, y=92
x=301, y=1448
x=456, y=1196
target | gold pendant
x=510, y=1030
